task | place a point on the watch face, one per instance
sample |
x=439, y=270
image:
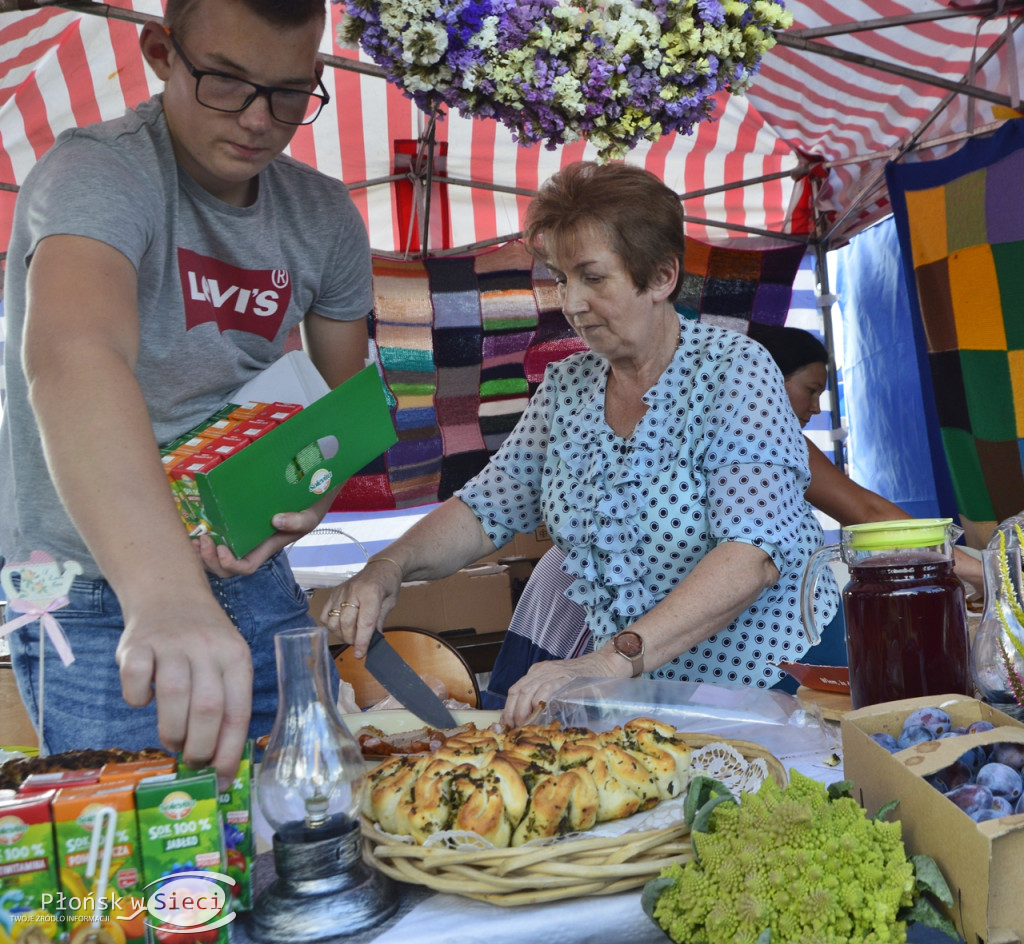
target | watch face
x=629, y=644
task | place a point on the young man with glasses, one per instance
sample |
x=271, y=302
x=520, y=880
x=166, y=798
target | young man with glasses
x=158, y=262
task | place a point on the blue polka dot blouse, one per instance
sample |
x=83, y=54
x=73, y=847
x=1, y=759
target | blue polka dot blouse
x=719, y=456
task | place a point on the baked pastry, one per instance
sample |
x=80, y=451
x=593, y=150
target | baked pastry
x=529, y=782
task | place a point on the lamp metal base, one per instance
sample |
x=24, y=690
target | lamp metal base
x=323, y=893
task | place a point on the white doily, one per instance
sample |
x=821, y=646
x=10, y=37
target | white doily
x=718, y=760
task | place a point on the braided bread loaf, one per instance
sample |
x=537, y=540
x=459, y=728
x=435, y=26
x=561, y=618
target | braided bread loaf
x=530, y=782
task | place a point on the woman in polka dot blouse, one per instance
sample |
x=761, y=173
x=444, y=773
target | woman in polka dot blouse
x=666, y=462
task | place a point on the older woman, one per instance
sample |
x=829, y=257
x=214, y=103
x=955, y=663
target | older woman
x=666, y=463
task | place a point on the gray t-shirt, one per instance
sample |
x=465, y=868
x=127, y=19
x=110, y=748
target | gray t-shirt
x=220, y=287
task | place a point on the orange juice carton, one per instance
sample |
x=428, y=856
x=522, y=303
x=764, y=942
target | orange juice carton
x=137, y=769
x=28, y=870
x=57, y=779
x=218, y=427
x=84, y=820
x=246, y=411
x=193, y=444
x=183, y=855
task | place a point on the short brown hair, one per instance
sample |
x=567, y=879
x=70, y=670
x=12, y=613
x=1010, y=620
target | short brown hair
x=640, y=215
x=280, y=12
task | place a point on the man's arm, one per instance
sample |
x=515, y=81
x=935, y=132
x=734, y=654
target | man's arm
x=337, y=349
x=80, y=348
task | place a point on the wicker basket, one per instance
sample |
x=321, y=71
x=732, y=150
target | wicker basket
x=569, y=868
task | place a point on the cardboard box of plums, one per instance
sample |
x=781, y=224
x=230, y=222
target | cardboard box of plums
x=983, y=862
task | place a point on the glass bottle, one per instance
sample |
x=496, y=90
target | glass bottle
x=993, y=650
x=310, y=780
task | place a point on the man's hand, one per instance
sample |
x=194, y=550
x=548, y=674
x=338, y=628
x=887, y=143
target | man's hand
x=290, y=525
x=200, y=670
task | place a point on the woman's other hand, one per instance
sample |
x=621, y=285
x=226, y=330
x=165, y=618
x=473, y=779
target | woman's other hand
x=536, y=688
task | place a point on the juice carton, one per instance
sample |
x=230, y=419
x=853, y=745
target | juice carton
x=235, y=805
x=136, y=770
x=246, y=411
x=279, y=412
x=28, y=870
x=255, y=428
x=58, y=779
x=183, y=852
x=76, y=818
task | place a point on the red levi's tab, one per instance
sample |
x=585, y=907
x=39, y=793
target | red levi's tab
x=252, y=300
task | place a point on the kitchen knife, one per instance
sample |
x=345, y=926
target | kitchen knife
x=401, y=680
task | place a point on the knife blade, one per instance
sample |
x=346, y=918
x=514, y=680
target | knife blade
x=401, y=680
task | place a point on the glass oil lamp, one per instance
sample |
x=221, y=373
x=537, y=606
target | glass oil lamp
x=309, y=789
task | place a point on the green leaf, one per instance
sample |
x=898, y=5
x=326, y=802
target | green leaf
x=924, y=912
x=840, y=789
x=652, y=892
x=930, y=879
x=700, y=790
x=886, y=809
x=765, y=937
x=703, y=817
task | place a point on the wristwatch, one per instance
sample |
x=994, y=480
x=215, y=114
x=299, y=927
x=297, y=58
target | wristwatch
x=630, y=646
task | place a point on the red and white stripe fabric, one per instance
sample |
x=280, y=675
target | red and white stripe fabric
x=60, y=68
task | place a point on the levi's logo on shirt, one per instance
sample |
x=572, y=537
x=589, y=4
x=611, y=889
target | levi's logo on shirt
x=252, y=300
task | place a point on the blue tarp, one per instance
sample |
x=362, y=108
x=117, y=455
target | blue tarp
x=889, y=445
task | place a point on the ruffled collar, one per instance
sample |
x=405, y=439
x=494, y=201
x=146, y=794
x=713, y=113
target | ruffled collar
x=606, y=474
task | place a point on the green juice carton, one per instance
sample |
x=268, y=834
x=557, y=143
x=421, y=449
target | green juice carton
x=183, y=857
x=29, y=901
x=77, y=815
x=235, y=805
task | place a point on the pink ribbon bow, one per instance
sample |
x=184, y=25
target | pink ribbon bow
x=33, y=611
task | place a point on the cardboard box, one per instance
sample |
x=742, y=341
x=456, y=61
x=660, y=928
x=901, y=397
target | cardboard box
x=478, y=598
x=241, y=494
x=980, y=861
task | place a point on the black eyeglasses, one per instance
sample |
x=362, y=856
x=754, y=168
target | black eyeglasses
x=223, y=92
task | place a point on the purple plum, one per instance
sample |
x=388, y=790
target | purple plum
x=914, y=734
x=955, y=775
x=974, y=758
x=886, y=740
x=977, y=726
x=1019, y=805
x=934, y=719
x=1002, y=780
x=980, y=816
x=1001, y=805
x=1010, y=753
x=971, y=797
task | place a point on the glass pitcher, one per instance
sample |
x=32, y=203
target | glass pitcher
x=906, y=613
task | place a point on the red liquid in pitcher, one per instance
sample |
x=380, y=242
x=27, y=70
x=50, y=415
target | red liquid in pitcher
x=906, y=629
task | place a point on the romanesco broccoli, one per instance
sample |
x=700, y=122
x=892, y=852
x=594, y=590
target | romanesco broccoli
x=811, y=869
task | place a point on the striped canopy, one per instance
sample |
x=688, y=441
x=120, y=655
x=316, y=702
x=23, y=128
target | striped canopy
x=853, y=84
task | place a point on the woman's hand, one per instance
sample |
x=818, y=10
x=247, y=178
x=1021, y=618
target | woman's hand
x=537, y=687
x=357, y=608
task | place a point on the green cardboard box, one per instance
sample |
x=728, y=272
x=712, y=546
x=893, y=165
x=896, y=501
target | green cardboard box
x=242, y=494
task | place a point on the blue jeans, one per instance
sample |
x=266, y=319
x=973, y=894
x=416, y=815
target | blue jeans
x=83, y=703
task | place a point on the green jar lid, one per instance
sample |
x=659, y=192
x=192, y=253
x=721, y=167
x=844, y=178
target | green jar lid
x=894, y=535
